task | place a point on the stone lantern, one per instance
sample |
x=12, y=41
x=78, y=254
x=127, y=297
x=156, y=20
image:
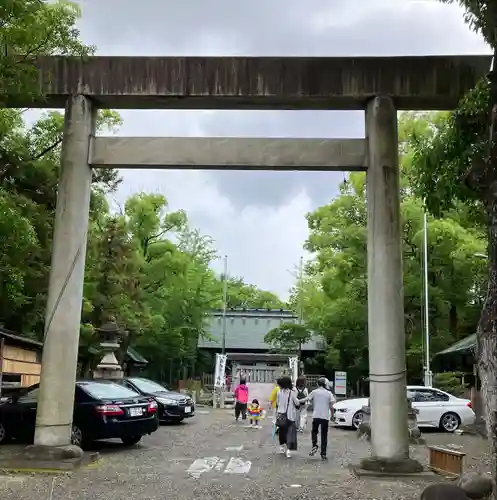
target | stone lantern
x=111, y=336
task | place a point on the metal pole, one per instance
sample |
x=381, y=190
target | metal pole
x=428, y=381
x=301, y=303
x=301, y=311
x=225, y=303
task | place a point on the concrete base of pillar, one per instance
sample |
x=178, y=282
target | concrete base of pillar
x=387, y=466
x=425, y=476
x=38, y=458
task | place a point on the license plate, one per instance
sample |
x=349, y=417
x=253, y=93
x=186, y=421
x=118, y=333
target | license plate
x=135, y=412
x=188, y=409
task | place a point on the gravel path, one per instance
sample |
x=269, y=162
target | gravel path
x=157, y=468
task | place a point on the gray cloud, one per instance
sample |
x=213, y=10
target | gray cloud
x=257, y=218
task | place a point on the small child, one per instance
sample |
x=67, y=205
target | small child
x=255, y=412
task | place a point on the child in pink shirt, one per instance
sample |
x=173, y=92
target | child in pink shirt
x=241, y=400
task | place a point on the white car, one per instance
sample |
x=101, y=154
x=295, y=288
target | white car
x=436, y=408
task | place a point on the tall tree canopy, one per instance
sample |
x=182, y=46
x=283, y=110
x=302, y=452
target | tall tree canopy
x=335, y=302
x=146, y=267
x=459, y=159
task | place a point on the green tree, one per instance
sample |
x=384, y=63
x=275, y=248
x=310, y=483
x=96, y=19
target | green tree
x=29, y=171
x=145, y=267
x=288, y=337
x=338, y=279
x=179, y=288
x=460, y=159
x=241, y=294
x=30, y=28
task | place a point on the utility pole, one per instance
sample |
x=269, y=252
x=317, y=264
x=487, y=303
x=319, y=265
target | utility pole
x=225, y=303
x=301, y=295
x=428, y=377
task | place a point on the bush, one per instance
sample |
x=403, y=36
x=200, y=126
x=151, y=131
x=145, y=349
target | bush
x=450, y=382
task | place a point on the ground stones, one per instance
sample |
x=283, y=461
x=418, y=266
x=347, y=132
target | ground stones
x=475, y=485
x=443, y=491
x=469, y=486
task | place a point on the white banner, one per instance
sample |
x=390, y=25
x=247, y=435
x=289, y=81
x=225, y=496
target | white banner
x=341, y=383
x=219, y=373
x=294, y=368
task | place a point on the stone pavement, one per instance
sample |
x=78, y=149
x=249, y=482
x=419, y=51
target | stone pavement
x=211, y=457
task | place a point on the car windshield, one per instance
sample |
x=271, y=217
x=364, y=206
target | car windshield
x=148, y=385
x=100, y=390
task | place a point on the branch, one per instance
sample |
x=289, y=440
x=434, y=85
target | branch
x=47, y=150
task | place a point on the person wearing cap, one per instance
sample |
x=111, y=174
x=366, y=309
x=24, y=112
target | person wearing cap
x=322, y=403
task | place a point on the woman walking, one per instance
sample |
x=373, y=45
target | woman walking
x=302, y=394
x=286, y=414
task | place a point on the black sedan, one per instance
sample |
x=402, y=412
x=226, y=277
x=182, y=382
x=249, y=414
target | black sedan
x=173, y=406
x=102, y=410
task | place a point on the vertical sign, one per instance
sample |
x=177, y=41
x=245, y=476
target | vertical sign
x=294, y=367
x=341, y=383
x=219, y=373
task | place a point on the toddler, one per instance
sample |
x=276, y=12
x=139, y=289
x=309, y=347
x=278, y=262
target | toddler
x=255, y=413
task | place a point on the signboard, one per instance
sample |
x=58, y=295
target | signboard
x=341, y=383
x=219, y=373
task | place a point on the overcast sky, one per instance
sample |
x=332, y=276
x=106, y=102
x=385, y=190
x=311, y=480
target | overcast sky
x=258, y=218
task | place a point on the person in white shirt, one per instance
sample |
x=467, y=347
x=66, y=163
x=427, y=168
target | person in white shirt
x=322, y=403
x=302, y=394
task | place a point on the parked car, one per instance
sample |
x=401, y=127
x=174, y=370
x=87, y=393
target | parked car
x=173, y=406
x=102, y=410
x=436, y=408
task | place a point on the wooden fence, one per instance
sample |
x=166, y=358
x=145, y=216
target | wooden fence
x=261, y=375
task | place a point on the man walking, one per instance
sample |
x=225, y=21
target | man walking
x=322, y=402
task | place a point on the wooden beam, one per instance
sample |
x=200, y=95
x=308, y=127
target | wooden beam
x=413, y=82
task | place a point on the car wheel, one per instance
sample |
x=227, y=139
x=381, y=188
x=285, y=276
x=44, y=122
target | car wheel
x=130, y=440
x=357, y=419
x=76, y=436
x=3, y=434
x=449, y=422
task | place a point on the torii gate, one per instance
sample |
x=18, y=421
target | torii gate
x=378, y=85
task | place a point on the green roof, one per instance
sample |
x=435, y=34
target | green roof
x=19, y=339
x=246, y=329
x=464, y=345
x=136, y=356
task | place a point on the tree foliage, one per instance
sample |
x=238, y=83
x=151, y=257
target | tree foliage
x=288, y=337
x=461, y=156
x=335, y=287
x=241, y=294
x=146, y=267
x=30, y=28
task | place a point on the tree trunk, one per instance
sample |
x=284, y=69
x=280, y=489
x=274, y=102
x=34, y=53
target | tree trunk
x=487, y=326
x=487, y=342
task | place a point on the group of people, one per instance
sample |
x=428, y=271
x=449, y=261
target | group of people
x=290, y=412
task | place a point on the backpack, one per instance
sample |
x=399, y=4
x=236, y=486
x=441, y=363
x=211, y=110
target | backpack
x=301, y=394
